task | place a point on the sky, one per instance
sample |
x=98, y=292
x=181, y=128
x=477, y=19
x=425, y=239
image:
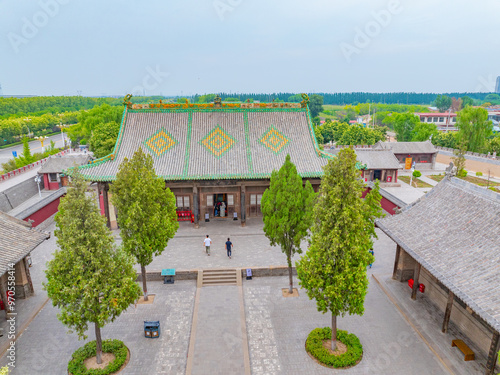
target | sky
x=69, y=47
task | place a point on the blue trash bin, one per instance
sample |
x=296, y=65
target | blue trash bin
x=152, y=329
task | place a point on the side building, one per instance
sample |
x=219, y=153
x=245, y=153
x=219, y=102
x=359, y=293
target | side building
x=216, y=158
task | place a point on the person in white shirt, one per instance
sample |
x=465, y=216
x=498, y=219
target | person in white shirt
x=207, y=243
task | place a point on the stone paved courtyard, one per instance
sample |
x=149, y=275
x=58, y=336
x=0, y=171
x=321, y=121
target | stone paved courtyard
x=276, y=327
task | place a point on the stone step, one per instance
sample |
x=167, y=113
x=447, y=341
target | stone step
x=218, y=277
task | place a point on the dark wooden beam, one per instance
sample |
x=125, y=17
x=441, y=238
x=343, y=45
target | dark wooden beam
x=447, y=313
x=28, y=275
x=3, y=297
x=416, y=275
x=493, y=354
x=396, y=262
x=196, y=207
x=243, y=207
x=105, y=188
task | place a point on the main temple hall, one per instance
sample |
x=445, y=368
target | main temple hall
x=216, y=158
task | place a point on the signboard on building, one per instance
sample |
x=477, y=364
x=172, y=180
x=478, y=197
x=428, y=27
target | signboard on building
x=408, y=163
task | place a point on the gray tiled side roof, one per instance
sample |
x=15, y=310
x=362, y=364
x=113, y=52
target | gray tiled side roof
x=17, y=240
x=407, y=147
x=247, y=157
x=57, y=164
x=453, y=231
x=378, y=159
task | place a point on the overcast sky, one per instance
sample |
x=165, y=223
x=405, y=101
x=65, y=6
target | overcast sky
x=61, y=47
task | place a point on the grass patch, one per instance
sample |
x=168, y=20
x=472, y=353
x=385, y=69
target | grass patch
x=437, y=177
x=315, y=347
x=77, y=367
x=415, y=183
x=474, y=180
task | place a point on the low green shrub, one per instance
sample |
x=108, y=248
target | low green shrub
x=479, y=174
x=116, y=347
x=417, y=173
x=462, y=173
x=314, y=345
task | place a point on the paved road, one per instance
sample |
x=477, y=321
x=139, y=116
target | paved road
x=35, y=146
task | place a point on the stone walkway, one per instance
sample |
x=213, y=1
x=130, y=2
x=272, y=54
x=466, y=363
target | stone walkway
x=219, y=345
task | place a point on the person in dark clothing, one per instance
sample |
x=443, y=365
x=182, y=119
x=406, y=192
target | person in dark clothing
x=229, y=246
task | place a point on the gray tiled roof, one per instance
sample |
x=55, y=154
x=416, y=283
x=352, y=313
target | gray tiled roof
x=189, y=158
x=374, y=159
x=17, y=239
x=378, y=159
x=57, y=164
x=453, y=232
x=407, y=147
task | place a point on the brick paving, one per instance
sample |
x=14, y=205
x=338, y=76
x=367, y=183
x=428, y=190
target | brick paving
x=276, y=326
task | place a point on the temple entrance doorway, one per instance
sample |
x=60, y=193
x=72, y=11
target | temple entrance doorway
x=220, y=205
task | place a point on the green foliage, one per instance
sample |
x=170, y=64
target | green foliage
x=467, y=101
x=345, y=134
x=492, y=98
x=77, y=367
x=474, y=129
x=4, y=370
x=294, y=98
x=103, y=139
x=333, y=271
x=423, y=131
x=208, y=98
x=287, y=209
x=443, y=102
x=27, y=157
x=462, y=173
x=417, y=174
x=445, y=139
x=88, y=121
x=404, y=124
x=231, y=100
x=494, y=144
x=314, y=345
x=479, y=174
x=22, y=160
x=459, y=160
x=146, y=209
x=315, y=104
x=88, y=279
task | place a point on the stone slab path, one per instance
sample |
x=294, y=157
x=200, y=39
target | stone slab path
x=218, y=342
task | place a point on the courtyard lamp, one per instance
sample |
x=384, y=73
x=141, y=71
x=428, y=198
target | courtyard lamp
x=28, y=120
x=41, y=139
x=61, y=126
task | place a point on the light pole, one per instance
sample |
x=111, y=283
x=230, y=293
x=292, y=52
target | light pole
x=41, y=139
x=38, y=179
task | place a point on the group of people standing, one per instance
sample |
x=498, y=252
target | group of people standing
x=208, y=242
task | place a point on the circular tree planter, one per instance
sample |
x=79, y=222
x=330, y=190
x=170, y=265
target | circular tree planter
x=350, y=356
x=115, y=347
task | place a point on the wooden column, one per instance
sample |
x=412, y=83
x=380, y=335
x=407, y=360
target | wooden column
x=28, y=276
x=416, y=275
x=196, y=207
x=447, y=313
x=243, y=207
x=493, y=354
x=105, y=187
x=396, y=262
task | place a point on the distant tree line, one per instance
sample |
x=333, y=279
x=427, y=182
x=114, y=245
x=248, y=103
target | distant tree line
x=342, y=98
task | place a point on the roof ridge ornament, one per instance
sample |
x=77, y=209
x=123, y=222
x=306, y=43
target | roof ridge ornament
x=218, y=102
x=127, y=102
x=451, y=171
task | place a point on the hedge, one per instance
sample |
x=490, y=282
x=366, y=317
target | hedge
x=314, y=345
x=116, y=347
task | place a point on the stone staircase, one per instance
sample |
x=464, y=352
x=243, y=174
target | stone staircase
x=230, y=276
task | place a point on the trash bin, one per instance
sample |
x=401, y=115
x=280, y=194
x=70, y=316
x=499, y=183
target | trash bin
x=249, y=274
x=152, y=329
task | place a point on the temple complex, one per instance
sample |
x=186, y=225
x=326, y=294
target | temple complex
x=216, y=158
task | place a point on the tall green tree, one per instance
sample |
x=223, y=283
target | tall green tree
x=146, y=210
x=443, y=102
x=315, y=104
x=287, y=209
x=103, y=138
x=27, y=158
x=423, y=131
x=403, y=124
x=333, y=270
x=474, y=129
x=89, y=279
x=467, y=101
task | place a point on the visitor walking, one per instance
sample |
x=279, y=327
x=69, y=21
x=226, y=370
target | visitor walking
x=229, y=246
x=207, y=243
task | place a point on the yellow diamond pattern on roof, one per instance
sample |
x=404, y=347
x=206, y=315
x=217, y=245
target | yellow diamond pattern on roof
x=274, y=140
x=160, y=142
x=218, y=142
